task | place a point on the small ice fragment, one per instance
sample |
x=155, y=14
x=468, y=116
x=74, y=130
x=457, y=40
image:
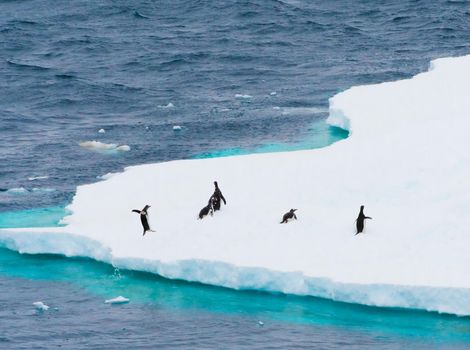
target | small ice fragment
x=100, y=146
x=117, y=300
x=176, y=127
x=32, y=178
x=243, y=96
x=39, y=305
x=274, y=93
x=106, y=176
x=17, y=190
x=101, y=131
x=124, y=148
x=276, y=107
x=169, y=105
x=260, y=323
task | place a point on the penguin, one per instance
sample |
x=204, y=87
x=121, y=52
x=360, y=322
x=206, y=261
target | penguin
x=144, y=219
x=360, y=220
x=208, y=209
x=288, y=215
x=217, y=196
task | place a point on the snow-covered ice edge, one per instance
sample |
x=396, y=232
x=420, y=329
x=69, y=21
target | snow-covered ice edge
x=442, y=300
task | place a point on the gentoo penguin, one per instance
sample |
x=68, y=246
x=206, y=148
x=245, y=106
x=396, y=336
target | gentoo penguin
x=217, y=196
x=208, y=209
x=144, y=219
x=360, y=220
x=288, y=215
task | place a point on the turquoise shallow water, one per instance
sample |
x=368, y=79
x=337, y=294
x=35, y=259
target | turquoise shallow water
x=104, y=282
x=320, y=134
x=37, y=217
x=100, y=281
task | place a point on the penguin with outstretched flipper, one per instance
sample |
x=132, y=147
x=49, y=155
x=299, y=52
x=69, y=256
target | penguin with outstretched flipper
x=217, y=197
x=144, y=219
x=360, y=220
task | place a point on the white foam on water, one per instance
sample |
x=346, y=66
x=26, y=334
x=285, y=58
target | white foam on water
x=303, y=110
x=406, y=159
x=33, y=178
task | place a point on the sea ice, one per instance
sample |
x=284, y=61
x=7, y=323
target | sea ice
x=39, y=305
x=406, y=159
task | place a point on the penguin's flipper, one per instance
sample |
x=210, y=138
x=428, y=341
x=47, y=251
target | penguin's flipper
x=136, y=211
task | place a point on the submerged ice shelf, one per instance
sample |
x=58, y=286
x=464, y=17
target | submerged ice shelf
x=406, y=160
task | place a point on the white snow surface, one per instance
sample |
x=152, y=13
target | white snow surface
x=406, y=160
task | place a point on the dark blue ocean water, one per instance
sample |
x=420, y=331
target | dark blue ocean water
x=239, y=77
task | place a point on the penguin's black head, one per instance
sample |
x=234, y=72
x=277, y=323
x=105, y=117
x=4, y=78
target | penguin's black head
x=215, y=184
x=292, y=210
x=362, y=207
x=146, y=207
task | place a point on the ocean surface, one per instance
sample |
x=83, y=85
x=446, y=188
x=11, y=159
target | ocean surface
x=233, y=77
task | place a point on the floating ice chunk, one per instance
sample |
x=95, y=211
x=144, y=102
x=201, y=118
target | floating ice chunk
x=33, y=178
x=274, y=93
x=101, y=146
x=45, y=189
x=123, y=148
x=17, y=190
x=276, y=107
x=387, y=121
x=260, y=323
x=242, y=96
x=177, y=127
x=118, y=300
x=169, y=105
x=39, y=305
x=101, y=131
